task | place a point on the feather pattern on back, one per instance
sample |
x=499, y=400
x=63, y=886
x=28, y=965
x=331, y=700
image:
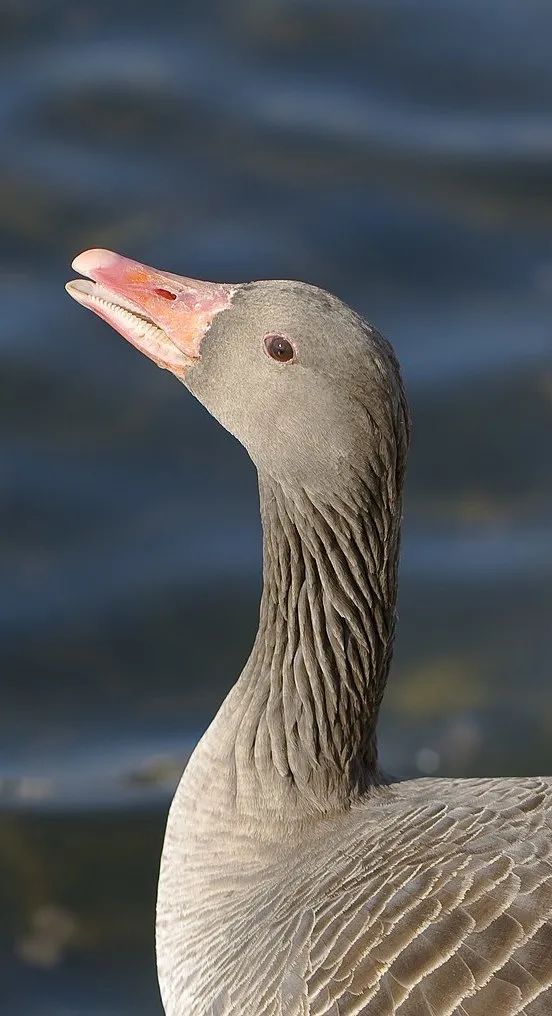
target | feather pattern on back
x=432, y=898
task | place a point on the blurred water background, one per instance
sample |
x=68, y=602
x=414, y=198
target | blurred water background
x=396, y=153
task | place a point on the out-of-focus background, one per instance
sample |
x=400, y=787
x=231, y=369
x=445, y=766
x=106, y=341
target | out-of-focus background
x=396, y=153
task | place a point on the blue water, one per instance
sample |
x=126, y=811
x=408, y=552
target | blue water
x=398, y=154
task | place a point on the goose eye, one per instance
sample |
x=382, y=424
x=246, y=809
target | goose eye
x=279, y=348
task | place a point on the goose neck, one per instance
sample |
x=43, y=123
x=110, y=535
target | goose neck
x=307, y=702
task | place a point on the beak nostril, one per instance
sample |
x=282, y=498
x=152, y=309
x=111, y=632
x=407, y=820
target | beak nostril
x=165, y=293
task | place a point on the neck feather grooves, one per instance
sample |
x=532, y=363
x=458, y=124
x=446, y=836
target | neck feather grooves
x=310, y=693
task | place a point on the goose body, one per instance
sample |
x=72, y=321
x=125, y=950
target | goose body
x=431, y=897
x=295, y=879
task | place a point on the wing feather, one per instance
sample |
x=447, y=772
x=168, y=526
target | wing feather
x=455, y=917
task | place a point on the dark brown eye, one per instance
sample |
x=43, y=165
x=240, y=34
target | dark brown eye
x=279, y=348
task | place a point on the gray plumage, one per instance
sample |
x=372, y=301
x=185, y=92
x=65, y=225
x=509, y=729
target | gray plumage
x=295, y=880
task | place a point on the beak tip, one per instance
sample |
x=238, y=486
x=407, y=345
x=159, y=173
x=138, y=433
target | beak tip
x=91, y=260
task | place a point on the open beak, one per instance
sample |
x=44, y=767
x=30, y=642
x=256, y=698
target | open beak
x=164, y=315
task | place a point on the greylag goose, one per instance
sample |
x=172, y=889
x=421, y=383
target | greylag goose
x=294, y=878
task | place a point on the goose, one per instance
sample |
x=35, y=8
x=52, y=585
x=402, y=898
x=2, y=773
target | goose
x=296, y=879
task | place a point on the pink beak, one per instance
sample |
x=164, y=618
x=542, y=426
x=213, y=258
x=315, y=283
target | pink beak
x=164, y=315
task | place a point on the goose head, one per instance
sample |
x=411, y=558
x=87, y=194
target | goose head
x=310, y=389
